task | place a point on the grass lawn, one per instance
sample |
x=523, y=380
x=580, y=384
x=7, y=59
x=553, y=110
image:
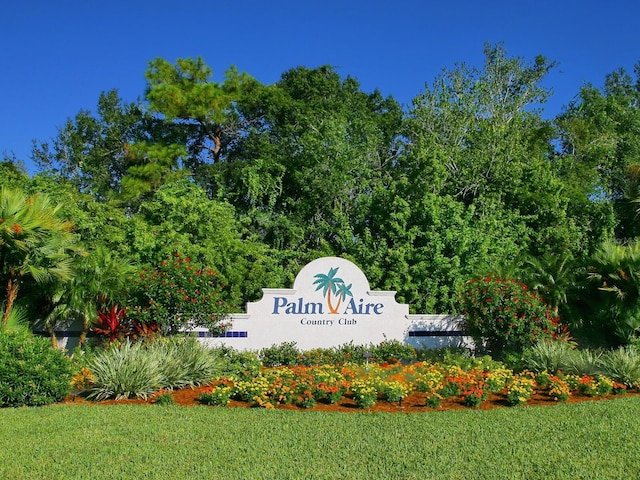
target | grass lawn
x=590, y=440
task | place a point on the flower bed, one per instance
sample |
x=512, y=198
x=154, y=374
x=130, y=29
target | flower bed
x=394, y=387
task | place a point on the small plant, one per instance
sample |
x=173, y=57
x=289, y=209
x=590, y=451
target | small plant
x=595, y=386
x=433, y=400
x=543, y=380
x=474, y=396
x=618, y=388
x=520, y=389
x=498, y=378
x=163, y=397
x=559, y=389
x=331, y=393
x=83, y=379
x=395, y=391
x=429, y=381
x=307, y=400
x=112, y=324
x=218, y=395
x=364, y=393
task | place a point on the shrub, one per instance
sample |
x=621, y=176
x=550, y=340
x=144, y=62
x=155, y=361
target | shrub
x=286, y=353
x=520, y=389
x=234, y=363
x=504, y=316
x=218, y=395
x=584, y=362
x=559, y=388
x=126, y=370
x=393, y=351
x=186, y=363
x=364, y=393
x=139, y=369
x=176, y=294
x=622, y=365
x=548, y=355
x=31, y=372
x=163, y=397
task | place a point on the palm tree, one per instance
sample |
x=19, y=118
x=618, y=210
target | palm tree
x=34, y=242
x=552, y=276
x=342, y=291
x=615, y=269
x=99, y=280
x=328, y=283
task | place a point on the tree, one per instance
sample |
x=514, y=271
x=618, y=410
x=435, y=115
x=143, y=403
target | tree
x=34, y=243
x=474, y=132
x=100, y=280
x=180, y=218
x=13, y=174
x=206, y=111
x=611, y=299
x=299, y=174
x=93, y=151
x=600, y=153
x=473, y=184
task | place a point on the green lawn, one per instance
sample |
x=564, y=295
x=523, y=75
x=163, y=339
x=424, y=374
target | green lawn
x=587, y=440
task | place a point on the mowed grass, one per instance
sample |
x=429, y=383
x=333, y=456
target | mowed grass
x=589, y=440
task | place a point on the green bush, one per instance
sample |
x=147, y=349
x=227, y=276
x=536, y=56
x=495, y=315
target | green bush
x=393, y=351
x=139, y=369
x=504, y=317
x=234, y=363
x=285, y=353
x=178, y=293
x=547, y=355
x=126, y=370
x=186, y=363
x=31, y=372
x=622, y=365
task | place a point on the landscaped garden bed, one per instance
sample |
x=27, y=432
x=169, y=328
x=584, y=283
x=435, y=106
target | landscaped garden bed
x=418, y=387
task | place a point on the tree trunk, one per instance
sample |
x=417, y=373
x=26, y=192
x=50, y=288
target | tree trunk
x=52, y=333
x=83, y=333
x=12, y=293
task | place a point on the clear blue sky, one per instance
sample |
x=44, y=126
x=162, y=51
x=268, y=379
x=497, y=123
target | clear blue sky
x=57, y=56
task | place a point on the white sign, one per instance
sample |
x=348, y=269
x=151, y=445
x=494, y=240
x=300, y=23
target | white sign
x=330, y=304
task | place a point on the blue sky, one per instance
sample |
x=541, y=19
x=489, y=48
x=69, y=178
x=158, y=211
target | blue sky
x=56, y=57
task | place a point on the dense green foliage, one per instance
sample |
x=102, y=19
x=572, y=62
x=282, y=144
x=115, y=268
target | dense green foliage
x=31, y=372
x=585, y=440
x=287, y=353
x=253, y=181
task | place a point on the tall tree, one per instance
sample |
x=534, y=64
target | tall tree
x=474, y=184
x=93, y=151
x=207, y=111
x=300, y=173
x=600, y=156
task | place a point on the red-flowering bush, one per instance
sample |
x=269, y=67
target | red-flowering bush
x=503, y=316
x=176, y=294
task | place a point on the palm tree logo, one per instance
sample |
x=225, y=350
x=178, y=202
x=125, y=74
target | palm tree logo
x=332, y=285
